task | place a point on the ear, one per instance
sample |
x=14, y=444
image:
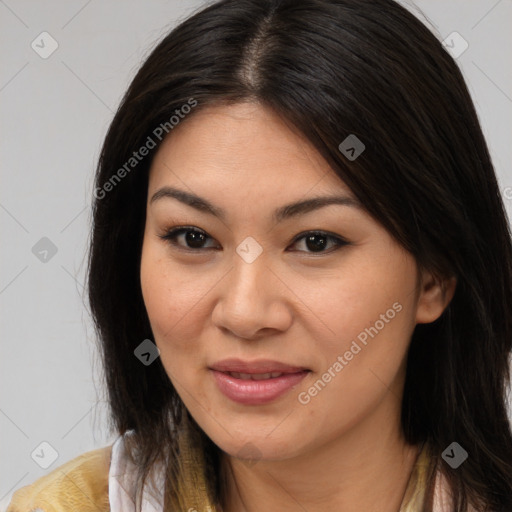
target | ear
x=435, y=295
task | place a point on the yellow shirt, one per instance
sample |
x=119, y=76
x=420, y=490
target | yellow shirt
x=82, y=485
x=79, y=485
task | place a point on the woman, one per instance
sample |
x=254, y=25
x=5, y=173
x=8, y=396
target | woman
x=300, y=273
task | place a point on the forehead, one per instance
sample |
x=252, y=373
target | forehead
x=244, y=145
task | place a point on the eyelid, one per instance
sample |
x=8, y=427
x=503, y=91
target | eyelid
x=171, y=233
x=321, y=232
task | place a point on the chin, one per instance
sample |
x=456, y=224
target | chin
x=258, y=447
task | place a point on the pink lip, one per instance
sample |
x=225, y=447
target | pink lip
x=255, y=392
x=259, y=366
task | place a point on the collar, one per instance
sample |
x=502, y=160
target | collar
x=123, y=492
x=122, y=483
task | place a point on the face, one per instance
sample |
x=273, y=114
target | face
x=281, y=329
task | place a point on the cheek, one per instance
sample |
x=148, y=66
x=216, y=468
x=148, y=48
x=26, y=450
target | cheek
x=372, y=349
x=372, y=315
x=368, y=296
x=171, y=299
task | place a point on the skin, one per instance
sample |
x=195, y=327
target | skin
x=344, y=449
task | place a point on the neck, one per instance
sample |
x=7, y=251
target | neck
x=367, y=468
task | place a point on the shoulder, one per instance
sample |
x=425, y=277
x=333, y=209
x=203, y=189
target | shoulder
x=443, y=499
x=419, y=486
x=79, y=484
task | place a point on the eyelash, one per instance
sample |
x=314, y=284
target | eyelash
x=171, y=235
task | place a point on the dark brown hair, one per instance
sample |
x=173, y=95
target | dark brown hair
x=330, y=68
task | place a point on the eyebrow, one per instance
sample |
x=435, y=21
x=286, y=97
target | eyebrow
x=280, y=214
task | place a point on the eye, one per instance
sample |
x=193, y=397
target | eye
x=193, y=240
x=317, y=241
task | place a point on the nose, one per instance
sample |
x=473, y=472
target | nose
x=253, y=301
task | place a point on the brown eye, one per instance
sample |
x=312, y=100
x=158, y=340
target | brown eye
x=191, y=238
x=316, y=242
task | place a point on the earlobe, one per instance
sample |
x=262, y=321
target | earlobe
x=435, y=296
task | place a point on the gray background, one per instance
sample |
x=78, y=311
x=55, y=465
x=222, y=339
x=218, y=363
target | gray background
x=55, y=113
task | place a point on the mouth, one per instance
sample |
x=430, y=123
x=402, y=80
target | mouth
x=257, y=382
x=255, y=376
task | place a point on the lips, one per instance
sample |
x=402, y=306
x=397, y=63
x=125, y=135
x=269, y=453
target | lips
x=255, y=376
x=255, y=367
x=255, y=382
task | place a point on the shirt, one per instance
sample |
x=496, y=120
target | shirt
x=103, y=480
